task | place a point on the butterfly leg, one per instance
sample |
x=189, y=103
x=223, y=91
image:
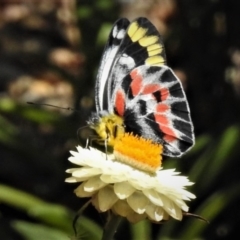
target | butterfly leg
x=90, y=140
x=87, y=143
x=106, y=146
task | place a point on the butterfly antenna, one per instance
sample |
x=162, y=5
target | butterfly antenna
x=50, y=105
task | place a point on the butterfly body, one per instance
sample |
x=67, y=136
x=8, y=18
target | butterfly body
x=108, y=126
x=137, y=92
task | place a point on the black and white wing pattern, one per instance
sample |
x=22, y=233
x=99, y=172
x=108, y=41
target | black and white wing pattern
x=107, y=62
x=135, y=83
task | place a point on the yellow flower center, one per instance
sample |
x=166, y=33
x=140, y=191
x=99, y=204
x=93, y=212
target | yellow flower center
x=138, y=152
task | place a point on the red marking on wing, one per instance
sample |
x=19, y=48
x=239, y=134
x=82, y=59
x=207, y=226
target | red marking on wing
x=168, y=131
x=169, y=138
x=160, y=108
x=136, y=83
x=150, y=88
x=161, y=119
x=164, y=93
x=120, y=102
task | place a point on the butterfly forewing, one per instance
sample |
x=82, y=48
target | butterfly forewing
x=107, y=62
x=142, y=44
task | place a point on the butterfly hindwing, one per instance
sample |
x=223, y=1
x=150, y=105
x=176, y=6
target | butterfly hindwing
x=156, y=108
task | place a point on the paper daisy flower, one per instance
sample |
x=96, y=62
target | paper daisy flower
x=130, y=181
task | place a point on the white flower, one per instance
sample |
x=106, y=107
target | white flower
x=127, y=191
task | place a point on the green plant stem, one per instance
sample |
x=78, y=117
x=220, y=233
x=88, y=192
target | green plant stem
x=111, y=227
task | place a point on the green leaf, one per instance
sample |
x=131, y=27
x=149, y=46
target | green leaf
x=213, y=161
x=28, y=112
x=210, y=209
x=85, y=12
x=8, y=133
x=53, y=215
x=89, y=229
x=39, y=115
x=201, y=142
x=7, y=105
x=31, y=231
x=104, y=5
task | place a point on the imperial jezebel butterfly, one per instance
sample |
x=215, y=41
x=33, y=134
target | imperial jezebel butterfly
x=137, y=92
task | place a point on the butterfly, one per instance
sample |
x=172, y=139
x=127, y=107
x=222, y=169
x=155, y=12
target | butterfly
x=137, y=92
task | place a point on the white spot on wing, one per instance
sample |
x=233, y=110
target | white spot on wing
x=121, y=34
x=115, y=31
x=127, y=60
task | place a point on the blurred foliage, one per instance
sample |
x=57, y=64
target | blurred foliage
x=202, y=41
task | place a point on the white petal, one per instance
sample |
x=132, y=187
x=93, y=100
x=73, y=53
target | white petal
x=188, y=196
x=178, y=213
x=109, y=178
x=77, y=158
x=74, y=154
x=71, y=180
x=135, y=217
x=123, y=190
x=86, y=172
x=155, y=213
x=93, y=184
x=167, y=204
x=77, y=179
x=153, y=196
x=171, y=208
x=71, y=170
x=141, y=180
x=122, y=208
x=166, y=216
x=80, y=192
x=138, y=202
x=106, y=198
x=181, y=204
x=95, y=202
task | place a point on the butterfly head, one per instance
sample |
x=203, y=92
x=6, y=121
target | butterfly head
x=109, y=127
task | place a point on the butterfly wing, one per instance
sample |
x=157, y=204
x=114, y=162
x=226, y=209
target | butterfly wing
x=129, y=46
x=141, y=45
x=107, y=62
x=134, y=82
x=155, y=107
x=150, y=98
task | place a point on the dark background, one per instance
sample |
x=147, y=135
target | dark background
x=49, y=53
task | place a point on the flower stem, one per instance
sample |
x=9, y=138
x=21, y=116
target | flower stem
x=111, y=227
